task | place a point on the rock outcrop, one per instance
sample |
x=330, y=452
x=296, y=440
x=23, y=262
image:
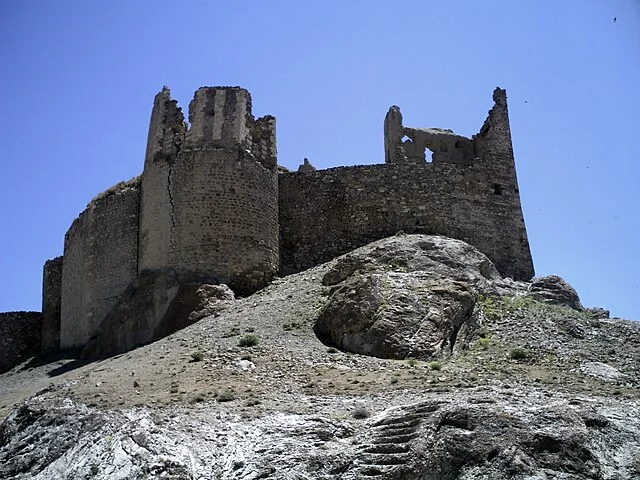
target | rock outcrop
x=524, y=389
x=555, y=290
x=406, y=296
x=156, y=304
x=448, y=436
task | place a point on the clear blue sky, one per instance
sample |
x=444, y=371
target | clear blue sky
x=78, y=81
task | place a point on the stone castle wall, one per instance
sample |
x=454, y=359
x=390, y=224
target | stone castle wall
x=211, y=203
x=100, y=260
x=353, y=206
x=226, y=218
x=51, y=304
x=467, y=191
x=20, y=334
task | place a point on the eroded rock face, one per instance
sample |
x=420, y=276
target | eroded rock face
x=156, y=304
x=555, y=290
x=406, y=296
x=396, y=315
x=446, y=436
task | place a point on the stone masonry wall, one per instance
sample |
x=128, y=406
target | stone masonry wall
x=226, y=218
x=327, y=213
x=19, y=337
x=51, y=304
x=212, y=206
x=475, y=198
x=100, y=260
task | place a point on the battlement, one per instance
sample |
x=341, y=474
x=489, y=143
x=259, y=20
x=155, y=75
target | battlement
x=219, y=118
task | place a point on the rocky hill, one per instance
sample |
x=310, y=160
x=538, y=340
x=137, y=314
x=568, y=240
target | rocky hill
x=410, y=358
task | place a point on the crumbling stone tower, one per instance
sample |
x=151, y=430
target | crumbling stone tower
x=477, y=185
x=209, y=202
x=466, y=189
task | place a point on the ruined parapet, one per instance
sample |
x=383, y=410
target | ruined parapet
x=408, y=145
x=51, y=304
x=444, y=145
x=219, y=116
x=100, y=260
x=393, y=134
x=263, y=135
x=494, y=137
x=212, y=206
x=306, y=166
x=166, y=128
x=467, y=192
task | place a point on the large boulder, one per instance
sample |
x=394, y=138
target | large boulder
x=554, y=290
x=405, y=296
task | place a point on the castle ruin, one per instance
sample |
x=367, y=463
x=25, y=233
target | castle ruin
x=213, y=203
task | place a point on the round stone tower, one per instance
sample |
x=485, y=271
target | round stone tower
x=209, y=203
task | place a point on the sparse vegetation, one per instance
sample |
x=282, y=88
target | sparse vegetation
x=412, y=362
x=435, y=365
x=518, y=353
x=197, y=355
x=226, y=396
x=249, y=340
x=231, y=333
x=484, y=343
x=361, y=412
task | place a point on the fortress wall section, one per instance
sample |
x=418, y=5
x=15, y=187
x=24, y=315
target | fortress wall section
x=100, y=260
x=225, y=217
x=51, y=304
x=157, y=216
x=210, y=206
x=19, y=337
x=494, y=151
x=327, y=213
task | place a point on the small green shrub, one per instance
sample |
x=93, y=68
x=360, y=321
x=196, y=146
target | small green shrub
x=197, y=355
x=226, y=396
x=231, y=333
x=290, y=326
x=361, y=412
x=518, y=353
x=249, y=340
x=484, y=343
x=198, y=398
x=435, y=365
x=412, y=362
